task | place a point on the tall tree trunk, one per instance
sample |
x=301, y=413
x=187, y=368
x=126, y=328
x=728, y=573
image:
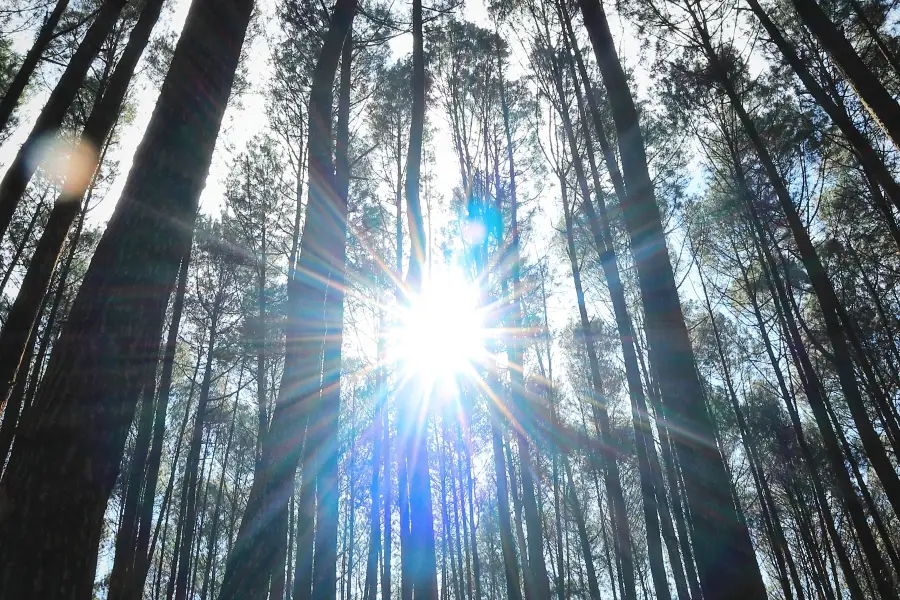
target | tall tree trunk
x=23, y=241
x=880, y=104
x=13, y=94
x=17, y=395
x=838, y=332
x=249, y=564
x=68, y=453
x=816, y=400
x=21, y=169
x=213, y=539
x=611, y=474
x=386, y=556
x=507, y=543
x=126, y=536
x=769, y=508
x=136, y=576
x=536, y=564
x=876, y=37
x=327, y=492
x=603, y=240
x=423, y=565
x=725, y=557
x=100, y=123
x=371, y=585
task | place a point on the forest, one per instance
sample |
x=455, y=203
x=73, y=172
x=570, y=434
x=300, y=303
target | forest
x=449, y=299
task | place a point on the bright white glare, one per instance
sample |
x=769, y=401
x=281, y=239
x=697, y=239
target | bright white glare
x=440, y=335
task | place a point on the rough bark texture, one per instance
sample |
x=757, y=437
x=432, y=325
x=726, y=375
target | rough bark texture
x=69, y=447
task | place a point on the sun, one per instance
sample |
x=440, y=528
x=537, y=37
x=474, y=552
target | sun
x=440, y=335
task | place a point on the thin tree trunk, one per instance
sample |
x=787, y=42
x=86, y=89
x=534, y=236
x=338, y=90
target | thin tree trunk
x=20, y=247
x=612, y=478
x=126, y=535
x=513, y=592
x=423, y=566
x=137, y=576
x=213, y=539
x=16, y=402
x=327, y=493
x=876, y=37
x=537, y=567
x=817, y=403
x=12, y=96
x=769, y=509
x=863, y=149
x=191, y=480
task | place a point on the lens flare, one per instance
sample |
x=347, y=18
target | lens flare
x=440, y=335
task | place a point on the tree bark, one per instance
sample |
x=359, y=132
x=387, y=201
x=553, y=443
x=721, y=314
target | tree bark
x=69, y=449
x=249, y=564
x=327, y=492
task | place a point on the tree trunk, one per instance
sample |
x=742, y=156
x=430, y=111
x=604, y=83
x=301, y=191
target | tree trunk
x=812, y=387
x=611, y=475
x=135, y=583
x=880, y=104
x=20, y=247
x=13, y=94
x=603, y=240
x=21, y=169
x=68, y=452
x=508, y=547
x=16, y=402
x=423, y=565
x=125, y=549
x=769, y=508
x=725, y=557
x=876, y=37
x=327, y=492
x=249, y=564
x=213, y=539
x=536, y=565
x=837, y=331
x=191, y=480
